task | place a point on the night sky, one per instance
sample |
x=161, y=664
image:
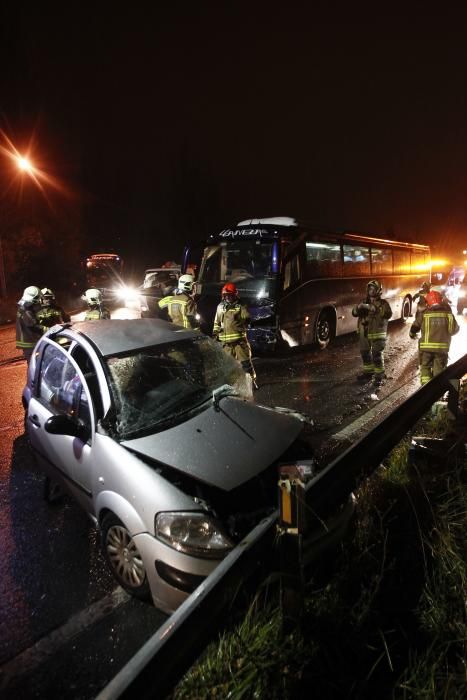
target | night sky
x=169, y=123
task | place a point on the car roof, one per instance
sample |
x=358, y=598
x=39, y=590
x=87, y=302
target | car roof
x=115, y=336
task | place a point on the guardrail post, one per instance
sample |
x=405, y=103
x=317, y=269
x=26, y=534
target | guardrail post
x=453, y=398
x=292, y=527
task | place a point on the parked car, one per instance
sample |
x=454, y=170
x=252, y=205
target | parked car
x=158, y=282
x=152, y=429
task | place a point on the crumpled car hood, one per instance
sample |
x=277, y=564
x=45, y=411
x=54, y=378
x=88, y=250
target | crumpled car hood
x=224, y=447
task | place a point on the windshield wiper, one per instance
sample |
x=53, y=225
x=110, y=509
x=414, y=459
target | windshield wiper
x=221, y=392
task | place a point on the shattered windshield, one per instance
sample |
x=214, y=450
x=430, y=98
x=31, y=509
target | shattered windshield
x=155, y=387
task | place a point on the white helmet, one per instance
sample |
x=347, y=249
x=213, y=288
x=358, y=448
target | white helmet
x=47, y=295
x=93, y=296
x=32, y=294
x=185, y=283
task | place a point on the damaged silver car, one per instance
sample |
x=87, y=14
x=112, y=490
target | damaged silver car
x=152, y=429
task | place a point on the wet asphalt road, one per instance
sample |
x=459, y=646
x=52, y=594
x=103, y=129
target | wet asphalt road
x=65, y=628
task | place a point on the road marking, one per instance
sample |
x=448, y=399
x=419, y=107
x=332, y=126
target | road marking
x=349, y=431
x=45, y=648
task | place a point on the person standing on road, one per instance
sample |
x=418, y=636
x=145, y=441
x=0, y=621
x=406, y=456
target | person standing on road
x=28, y=326
x=96, y=311
x=50, y=312
x=230, y=326
x=437, y=325
x=372, y=327
x=420, y=296
x=180, y=307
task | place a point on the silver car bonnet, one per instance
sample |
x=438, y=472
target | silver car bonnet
x=225, y=447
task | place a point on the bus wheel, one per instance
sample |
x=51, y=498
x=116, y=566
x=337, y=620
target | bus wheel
x=325, y=329
x=406, y=309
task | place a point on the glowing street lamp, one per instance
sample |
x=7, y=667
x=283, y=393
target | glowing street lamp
x=24, y=164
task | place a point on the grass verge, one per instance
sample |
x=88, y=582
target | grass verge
x=386, y=618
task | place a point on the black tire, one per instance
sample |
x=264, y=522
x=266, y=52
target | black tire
x=325, y=330
x=123, y=557
x=52, y=491
x=406, y=309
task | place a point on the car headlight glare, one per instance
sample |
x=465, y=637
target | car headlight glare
x=192, y=533
x=126, y=293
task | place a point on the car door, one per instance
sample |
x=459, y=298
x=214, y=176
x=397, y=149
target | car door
x=61, y=390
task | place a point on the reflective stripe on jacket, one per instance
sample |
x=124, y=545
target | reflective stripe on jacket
x=181, y=309
x=28, y=329
x=373, y=324
x=437, y=325
x=97, y=314
x=230, y=321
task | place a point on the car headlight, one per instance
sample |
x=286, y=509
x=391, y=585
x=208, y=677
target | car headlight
x=192, y=533
x=126, y=293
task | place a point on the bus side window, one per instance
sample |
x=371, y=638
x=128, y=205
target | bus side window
x=419, y=264
x=323, y=259
x=291, y=272
x=356, y=260
x=401, y=262
x=381, y=261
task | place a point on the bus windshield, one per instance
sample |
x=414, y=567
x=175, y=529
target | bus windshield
x=235, y=261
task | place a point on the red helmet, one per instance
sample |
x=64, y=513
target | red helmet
x=433, y=298
x=229, y=289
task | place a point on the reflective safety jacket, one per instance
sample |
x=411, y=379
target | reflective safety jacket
x=180, y=309
x=437, y=325
x=28, y=328
x=50, y=315
x=373, y=323
x=231, y=321
x=97, y=313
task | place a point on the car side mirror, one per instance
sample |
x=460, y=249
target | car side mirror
x=65, y=425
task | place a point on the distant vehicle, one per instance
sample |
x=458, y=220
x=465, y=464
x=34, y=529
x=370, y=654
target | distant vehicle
x=158, y=282
x=151, y=428
x=455, y=289
x=299, y=282
x=103, y=270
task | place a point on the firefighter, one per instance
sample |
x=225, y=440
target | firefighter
x=373, y=315
x=180, y=307
x=230, y=325
x=437, y=325
x=96, y=311
x=420, y=296
x=28, y=327
x=50, y=312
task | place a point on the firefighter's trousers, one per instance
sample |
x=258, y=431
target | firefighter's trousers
x=241, y=351
x=372, y=352
x=431, y=364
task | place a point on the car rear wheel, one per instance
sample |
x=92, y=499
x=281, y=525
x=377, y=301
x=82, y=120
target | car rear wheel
x=123, y=557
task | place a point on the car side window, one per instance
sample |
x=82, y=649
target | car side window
x=60, y=387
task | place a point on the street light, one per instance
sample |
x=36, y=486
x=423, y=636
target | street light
x=24, y=164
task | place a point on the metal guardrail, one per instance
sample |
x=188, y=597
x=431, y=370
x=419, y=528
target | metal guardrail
x=162, y=661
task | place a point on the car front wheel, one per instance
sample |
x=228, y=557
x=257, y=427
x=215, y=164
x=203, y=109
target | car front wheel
x=123, y=557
